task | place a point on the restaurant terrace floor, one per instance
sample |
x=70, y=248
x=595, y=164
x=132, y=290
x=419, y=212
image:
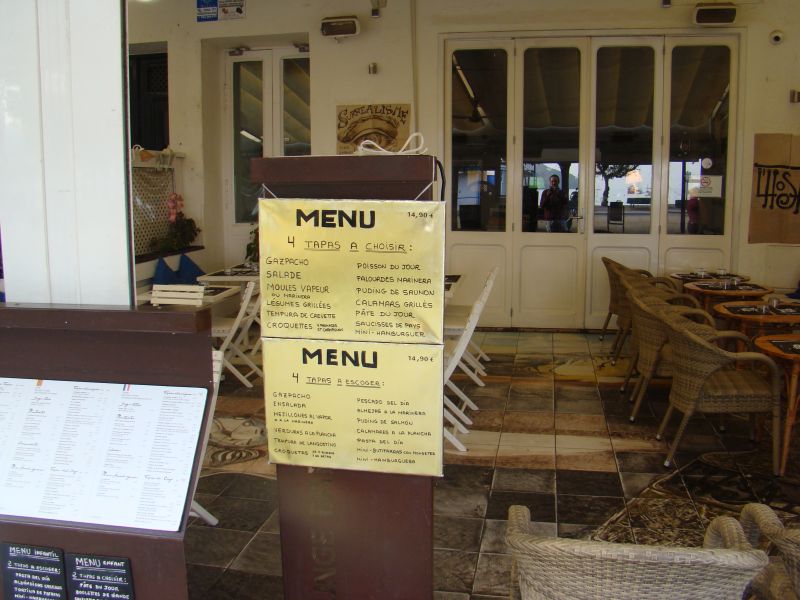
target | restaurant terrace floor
x=552, y=433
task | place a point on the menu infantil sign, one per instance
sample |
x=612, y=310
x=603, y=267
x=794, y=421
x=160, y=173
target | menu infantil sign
x=352, y=296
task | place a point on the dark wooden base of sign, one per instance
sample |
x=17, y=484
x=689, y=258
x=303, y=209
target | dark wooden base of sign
x=158, y=565
x=109, y=344
x=350, y=534
x=354, y=535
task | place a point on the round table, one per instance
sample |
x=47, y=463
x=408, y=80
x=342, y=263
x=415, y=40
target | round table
x=759, y=316
x=687, y=277
x=720, y=290
x=786, y=350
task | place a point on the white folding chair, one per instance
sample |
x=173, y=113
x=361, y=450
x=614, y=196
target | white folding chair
x=454, y=349
x=196, y=509
x=233, y=333
x=455, y=321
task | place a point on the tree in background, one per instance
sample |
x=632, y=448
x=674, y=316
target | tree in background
x=609, y=172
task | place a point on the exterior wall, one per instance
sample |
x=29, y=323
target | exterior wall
x=63, y=207
x=197, y=53
x=411, y=66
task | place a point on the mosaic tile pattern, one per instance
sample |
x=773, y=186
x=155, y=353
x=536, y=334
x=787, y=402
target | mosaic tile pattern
x=552, y=433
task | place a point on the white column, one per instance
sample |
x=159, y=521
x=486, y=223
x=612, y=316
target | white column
x=63, y=201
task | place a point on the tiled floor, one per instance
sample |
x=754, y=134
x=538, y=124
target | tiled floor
x=552, y=433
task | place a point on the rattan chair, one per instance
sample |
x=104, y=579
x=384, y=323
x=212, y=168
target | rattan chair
x=708, y=379
x=781, y=580
x=632, y=277
x=653, y=356
x=567, y=569
x=615, y=290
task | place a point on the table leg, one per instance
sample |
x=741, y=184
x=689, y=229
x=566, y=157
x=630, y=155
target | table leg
x=791, y=413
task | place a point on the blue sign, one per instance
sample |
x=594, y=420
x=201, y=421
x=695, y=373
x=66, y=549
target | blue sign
x=207, y=10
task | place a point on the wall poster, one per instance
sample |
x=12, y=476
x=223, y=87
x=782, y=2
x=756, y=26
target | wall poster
x=385, y=124
x=352, y=298
x=775, y=202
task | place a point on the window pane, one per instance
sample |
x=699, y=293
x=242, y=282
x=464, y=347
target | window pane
x=296, y=113
x=624, y=140
x=551, y=114
x=248, y=135
x=479, y=123
x=698, y=139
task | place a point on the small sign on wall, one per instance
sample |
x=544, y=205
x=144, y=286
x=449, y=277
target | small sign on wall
x=387, y=125
x=775, y=202
x=220, y=10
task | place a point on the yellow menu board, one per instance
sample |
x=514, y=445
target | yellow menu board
x=352, y=269
x=354, y=405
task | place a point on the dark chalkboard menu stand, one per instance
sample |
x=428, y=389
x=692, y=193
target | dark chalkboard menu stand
x=111, y=345
x=351, y=534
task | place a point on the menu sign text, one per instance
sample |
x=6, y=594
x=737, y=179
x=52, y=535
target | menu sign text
x=91, y=576
x=354, y=405
x=352, y=269
x=32, y=572
x=102, y=453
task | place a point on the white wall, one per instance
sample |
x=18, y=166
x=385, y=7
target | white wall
x=197, y=53
x=339, y=75
x=63, y=207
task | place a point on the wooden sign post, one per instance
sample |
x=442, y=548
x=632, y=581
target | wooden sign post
x=354, y=531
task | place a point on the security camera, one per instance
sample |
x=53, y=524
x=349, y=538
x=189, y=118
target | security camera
x=776, y=37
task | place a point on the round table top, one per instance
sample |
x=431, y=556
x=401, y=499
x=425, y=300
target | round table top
x=707, y=276
x=785, y=346
x=759, y=312
x=723, y=288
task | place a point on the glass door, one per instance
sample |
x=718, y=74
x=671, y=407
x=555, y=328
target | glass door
x=700, y=86
x=479, y=88
x=565, y=150
x=268, y=115
x=548, y=232
x=625, y=157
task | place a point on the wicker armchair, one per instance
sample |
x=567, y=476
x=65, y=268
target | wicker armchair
x=650, y=289
x=566, y=569
x=627, y=278
x=653, y=352
x=781, y=580
x=708, y=379
x=616, y=291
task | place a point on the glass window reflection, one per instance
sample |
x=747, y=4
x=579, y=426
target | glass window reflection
x=624, y=140
x=551, y=113
x=479, y=139
x=698, y=148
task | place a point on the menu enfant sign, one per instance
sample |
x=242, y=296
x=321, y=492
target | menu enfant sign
x=352, y=299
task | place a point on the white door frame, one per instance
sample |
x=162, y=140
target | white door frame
x=473, y=252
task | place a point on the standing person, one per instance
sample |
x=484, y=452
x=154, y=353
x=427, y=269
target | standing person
x=554, y=206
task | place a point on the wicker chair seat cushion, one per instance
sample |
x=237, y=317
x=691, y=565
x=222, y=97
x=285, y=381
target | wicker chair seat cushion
x=729, y=390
